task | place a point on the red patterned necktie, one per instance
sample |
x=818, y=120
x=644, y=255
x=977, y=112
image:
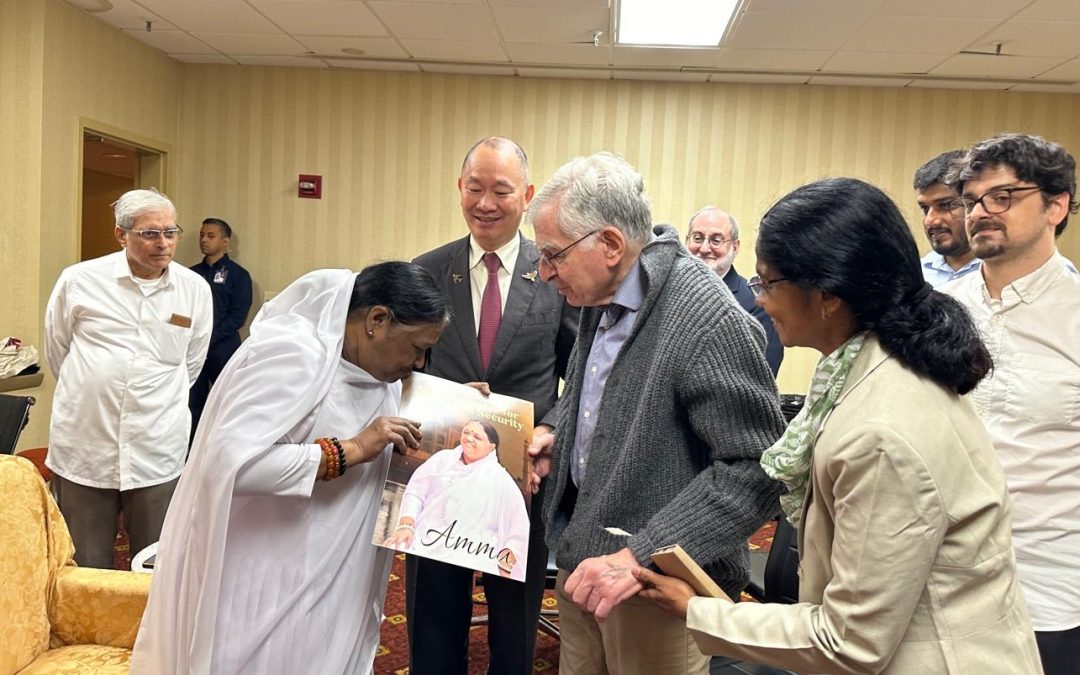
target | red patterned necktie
x=490, y=311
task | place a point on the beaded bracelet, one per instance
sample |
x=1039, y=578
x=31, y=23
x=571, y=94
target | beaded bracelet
x=331, y=455
x=341, y=455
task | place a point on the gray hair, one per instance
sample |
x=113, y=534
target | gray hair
x=719, y=211
x=589, y=193
x=134, y=203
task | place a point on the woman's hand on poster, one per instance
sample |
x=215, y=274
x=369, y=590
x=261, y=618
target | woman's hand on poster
x=670, y=594
x=403, y=535
x=369, y=443
x=543, y=441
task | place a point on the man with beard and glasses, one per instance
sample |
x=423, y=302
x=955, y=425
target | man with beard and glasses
x=714, y=239
x=1018, y=192
x=943, y=222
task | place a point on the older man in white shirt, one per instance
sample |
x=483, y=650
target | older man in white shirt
x=1018, y=192
x=125, y=335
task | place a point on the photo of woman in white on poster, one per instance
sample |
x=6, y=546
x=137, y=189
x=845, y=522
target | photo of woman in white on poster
x=461, y=506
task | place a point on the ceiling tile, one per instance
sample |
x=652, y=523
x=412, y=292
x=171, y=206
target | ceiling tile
x=758, y=79
x=126, y=14
x=546, y=24
x=772, y=59
x=436, y=2
x=217, y=16
x=659, y=76
x=916, y=35
x=881, y=62
x=1052, y=10
x=373, y=65
x=1070, y=70
x=986, y=9
x=971, y=65
x=280, y=61
x=378, y=47
x=566, y=73
x=957, y=84
x=860, y=81
x=321, y=17
x=436, y=22
x=468, y=70
x=792, y=31
x=203, y=59
x=664, y=56
x=458, y=50
x=568, y=54
x=172, y=41
x=1033, y=38
x=253, y=45
x=865, y=7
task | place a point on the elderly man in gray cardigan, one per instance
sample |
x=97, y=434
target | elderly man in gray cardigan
x=667, y=407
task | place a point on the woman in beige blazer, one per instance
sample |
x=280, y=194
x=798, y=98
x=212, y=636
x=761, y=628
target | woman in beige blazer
x=906, y=562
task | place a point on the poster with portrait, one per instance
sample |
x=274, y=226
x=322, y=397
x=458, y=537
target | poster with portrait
x=462, y=497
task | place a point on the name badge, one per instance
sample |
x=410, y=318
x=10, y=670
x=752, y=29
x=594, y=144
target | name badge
x=180, y=320
x=220, y=276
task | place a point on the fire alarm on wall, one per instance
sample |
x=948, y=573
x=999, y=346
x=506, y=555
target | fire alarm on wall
x=310, y=186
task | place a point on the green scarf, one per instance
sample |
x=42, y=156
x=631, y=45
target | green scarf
x=788, y=460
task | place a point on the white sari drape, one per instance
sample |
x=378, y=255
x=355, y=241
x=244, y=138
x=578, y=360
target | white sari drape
x=260, y=570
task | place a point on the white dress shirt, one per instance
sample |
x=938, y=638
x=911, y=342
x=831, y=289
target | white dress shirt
x=123, y=364
x=508, y=255
x=1030, y=404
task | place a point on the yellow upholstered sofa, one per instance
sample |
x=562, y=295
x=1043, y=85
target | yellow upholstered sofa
x=56, y=617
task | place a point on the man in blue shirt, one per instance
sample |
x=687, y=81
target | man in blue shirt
x=943, y=222
x=230, y=285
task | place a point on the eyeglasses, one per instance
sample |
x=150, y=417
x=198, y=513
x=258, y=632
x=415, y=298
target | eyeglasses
x=942, y=206
x=998, y=200
x=152, y=235
x=556, y=258
x=697, y=239
x=760, y=287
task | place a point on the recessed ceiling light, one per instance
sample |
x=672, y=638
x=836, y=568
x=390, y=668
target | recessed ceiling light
x=684, y=23
x=114, y=155
x=92, y=6
x=354, y=51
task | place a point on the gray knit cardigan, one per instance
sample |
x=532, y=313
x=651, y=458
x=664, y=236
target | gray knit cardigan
x=687, y=410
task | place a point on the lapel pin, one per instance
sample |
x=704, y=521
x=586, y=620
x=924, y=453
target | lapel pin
x=456, y=278
x=530, y=276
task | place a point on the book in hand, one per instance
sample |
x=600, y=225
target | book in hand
x=675, y=562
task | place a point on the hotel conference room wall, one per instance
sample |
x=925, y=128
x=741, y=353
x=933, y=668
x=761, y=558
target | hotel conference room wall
x=389, y=146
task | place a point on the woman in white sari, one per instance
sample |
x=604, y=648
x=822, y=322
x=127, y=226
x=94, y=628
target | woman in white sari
x=265, y=563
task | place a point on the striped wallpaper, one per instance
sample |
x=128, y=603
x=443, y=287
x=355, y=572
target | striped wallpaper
x=389, y=146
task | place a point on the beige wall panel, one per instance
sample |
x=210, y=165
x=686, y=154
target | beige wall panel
x=389, y=146
x=65, y=66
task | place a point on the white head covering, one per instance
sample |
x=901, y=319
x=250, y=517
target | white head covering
x=273, y=381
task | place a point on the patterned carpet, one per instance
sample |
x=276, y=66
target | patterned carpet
x=392, y=657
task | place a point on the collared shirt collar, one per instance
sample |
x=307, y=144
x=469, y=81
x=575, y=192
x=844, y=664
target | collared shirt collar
x=122, y=269
x=508, y=253
x=935, y=261
x=1028, y=288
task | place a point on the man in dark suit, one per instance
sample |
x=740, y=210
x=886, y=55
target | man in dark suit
x=513, y=334
x=714, y=239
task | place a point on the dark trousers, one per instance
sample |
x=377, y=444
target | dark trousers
x=1059, y=651
x=216, y=358
x=438, y=605
x=91, y=514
